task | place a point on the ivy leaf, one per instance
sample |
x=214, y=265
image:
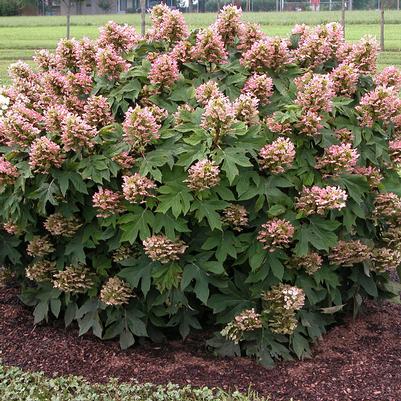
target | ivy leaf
x=356, y=186
x=126, y=339
x=318, y=233
x=231, y=158
x=136, y=223
x=170, y=225
x=175, y=196
x=45, y=194
x=138, y=270
x=207, y=209
x=167, y=277
x=225, y=244
x=195, y=272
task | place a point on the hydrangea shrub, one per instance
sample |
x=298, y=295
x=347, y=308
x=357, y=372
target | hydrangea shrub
x=218, y=179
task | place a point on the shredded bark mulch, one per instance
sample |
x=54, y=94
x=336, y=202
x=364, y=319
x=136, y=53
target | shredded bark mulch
x=358, y=361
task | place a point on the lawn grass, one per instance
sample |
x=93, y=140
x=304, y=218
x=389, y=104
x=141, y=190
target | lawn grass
x=21, y=36
x=17, y=385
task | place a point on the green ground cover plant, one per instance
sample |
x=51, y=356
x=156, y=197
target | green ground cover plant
x=17, y=385
x=216, y=179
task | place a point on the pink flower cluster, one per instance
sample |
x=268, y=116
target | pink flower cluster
x=98, y=112
x=140, y=128
x=317, y=200
x=309, y=123
x=20, y=126
x=107, y=202
x=161, y=249
x=248, y=34
x=337, y=159
x=228, y=23
x=363, y=54
x=394, y=151
x=204, y=174
x=137, y=188
x=344, y=135
x=206, y=92
x=124, y=160
x=45, y=154
x=315, y=93
x=164, y=71
x=235, y=216
x=372, y=174
x=276, y=126
x=67, y=57
x=276, y=233
x=318, y=44
x=8, y=172
x=389, y=77
x=348, y=253
x=121, y=37
x=76, y=134
x=168, y=25
x=259, y=86
x=246, y=109
x=109, y=63
x=277, y=156
x=267, y=53
x=209, y=47
x=381, y=104
x=345, y=79
x=218, y=115
x=387, y=205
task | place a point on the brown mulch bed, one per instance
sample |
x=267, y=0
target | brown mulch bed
x=358, y=361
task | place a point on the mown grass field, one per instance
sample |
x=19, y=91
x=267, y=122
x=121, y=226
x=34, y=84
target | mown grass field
x=21, y=36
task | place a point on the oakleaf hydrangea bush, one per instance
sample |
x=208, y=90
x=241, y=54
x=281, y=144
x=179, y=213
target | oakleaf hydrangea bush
x=219, y=179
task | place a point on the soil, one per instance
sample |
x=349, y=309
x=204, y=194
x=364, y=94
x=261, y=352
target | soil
x=357, y=361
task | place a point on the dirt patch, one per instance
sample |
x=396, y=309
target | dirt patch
x=358, y=361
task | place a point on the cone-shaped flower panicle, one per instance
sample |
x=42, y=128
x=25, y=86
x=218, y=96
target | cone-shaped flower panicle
x=58, y=225
x=137, y=188
x=209, y=47
x=269, y=52
x=228, y=23
x=235, y=216
x=45, y=154
x=39, y=247
x=207, y=91
x=259, y=86
x=161, y=249
x=202, y=175
x=219, y=115
x=41, y=270
x=276, y=233
x=246, y=109
x=73, y=279
x=337, y=159
x=310, y=263
x=140, y=128
x=76, y=134
x=164, y=71
x=109, y=63
x=121, y=37
x=318, y=200
x=389, y=77
x=115, y=292
x=107, y=202
x=98, y=112
x=247, y=321
x=278, y=156
x=348, y=253
x=8, y=172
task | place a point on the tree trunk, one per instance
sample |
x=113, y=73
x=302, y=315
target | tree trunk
x=143, y=15
x=68, y=18
x=191, y=6
x=343, y=15
x=382, y=25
